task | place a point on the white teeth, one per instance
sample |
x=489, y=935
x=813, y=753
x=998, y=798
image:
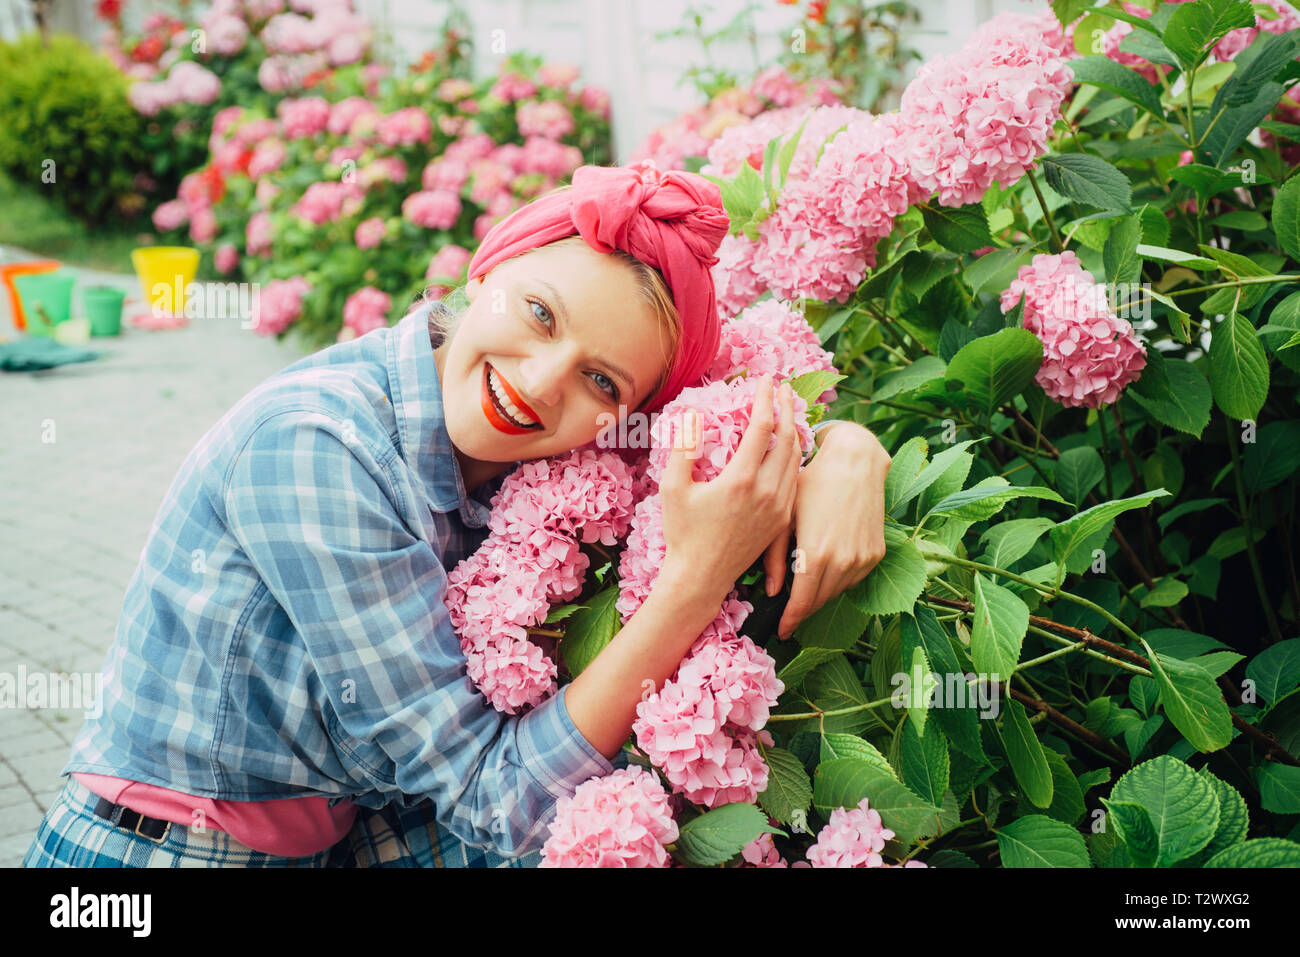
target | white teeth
x=520, y=418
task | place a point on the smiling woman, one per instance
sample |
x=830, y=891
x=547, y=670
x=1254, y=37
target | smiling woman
x=285, y=676
x=552, y=341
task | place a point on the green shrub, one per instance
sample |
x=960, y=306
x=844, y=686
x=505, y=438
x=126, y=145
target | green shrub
x=69, y=127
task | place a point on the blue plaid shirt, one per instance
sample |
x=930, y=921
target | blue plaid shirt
x=285, y=634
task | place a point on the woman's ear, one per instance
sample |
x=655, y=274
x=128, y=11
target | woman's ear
x=472, y=287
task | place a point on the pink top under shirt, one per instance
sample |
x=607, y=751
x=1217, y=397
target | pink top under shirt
x=285, y=827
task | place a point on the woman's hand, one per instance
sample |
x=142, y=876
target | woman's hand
x=715, y=530
x=838, y=522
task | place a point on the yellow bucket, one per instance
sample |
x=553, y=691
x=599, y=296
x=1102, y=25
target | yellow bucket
x=165, y=274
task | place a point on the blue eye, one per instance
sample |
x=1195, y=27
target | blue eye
x=536, y=306
x=605, y=383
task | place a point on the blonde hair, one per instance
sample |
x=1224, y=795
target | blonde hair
x=651, y=286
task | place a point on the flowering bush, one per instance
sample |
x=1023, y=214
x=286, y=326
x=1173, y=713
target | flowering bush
x=247, y=55
x=1038, y=282
x=842, y=52
x=373, y=197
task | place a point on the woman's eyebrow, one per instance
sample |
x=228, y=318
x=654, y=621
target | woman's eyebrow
x=564, y=315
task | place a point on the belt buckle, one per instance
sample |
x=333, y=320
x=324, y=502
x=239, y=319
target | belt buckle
x=156, y=840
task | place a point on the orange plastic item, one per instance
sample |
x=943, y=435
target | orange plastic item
x=7, y=273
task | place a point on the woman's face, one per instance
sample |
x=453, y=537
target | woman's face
x=564, y=335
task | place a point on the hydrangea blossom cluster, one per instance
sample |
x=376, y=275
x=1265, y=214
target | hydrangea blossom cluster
x=692, y=133
x=770, y=338
x=702, y=728
x=278, y=305
x=531, y=559
x=1089, y=353
x=470, y=186
x=983, y=115
x=853, y=838
x=821, y=239
x=622, y=819
x=187, y=82
x=980, y=116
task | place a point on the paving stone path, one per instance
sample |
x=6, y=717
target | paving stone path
x=87, y=452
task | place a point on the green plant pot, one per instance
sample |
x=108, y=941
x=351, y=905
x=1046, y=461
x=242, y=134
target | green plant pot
x=103, y=305
x=52, y=292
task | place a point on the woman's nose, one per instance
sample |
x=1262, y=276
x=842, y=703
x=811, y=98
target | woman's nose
x=543, y=375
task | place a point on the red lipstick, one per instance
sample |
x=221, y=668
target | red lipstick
x=498, y=416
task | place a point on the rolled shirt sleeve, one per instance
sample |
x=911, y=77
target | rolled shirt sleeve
x=317, y=512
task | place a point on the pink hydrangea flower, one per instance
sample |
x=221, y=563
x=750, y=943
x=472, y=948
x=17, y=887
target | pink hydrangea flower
x=853, y=838
x=256, y=130
x=226, y=258
x=1237, y=40
x=770, y=338
x=449, y=262
x=385, y=169
x=226, y=119
x=446, y=174
x=405, y=127
x=346, y=111
x=327, y=201
x=511, y=86
x=193, y=83
x=257, y=234
x=558, y=75
x=736, y=285
x=546, y=156
x=548, y=118
x=620, y=820
x=276, y=74
x=170, y=215
x=594, y=100
x=369, y=233
x=304, y=116
x=227, y=34
x=531, y=558
x=203, y=224
x=432, y=209
x=340, y=155
x=723, y=410
x=983, y=115
x=761, y=852
x=346, y=48
x=277, y=306
x=470, y=147
x=367, y=309
x=1089, y=353
x=268, y=156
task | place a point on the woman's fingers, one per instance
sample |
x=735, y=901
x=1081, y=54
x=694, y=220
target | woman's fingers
x=753, y=444
x=774, y=561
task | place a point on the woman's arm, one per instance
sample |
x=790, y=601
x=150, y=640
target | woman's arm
x=713, y=531
x=369, y=687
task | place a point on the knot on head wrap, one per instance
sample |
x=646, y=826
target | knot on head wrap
x=673, y=221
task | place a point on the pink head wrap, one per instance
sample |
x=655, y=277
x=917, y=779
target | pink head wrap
x=673, y=221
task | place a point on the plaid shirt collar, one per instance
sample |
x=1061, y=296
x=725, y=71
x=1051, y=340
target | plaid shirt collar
x=421, y=420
